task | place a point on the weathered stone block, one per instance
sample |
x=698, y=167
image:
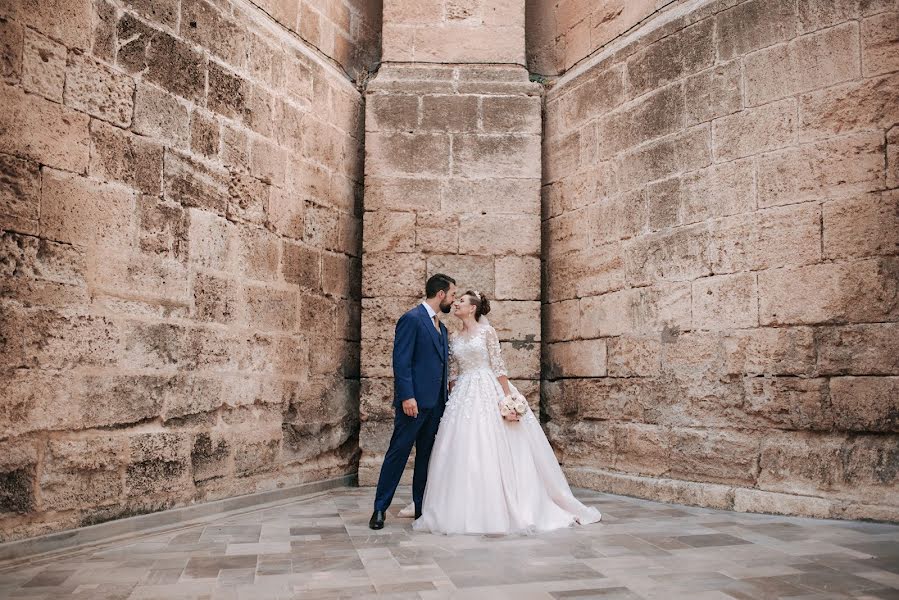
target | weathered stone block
x=832, y=292
x=456, y=113
x=209, y=236
x=769, y=351
x=119, y=399
x=407, y=154
x=753, y=25
x=809, y=62
x=98, y=90
x=256, y=253
x=766, y=239
x=43, y=66
x=162, y=228
x=879, y=45
x=755, y=130
x=471, y=272
x=341, y=275
x=461, y=196
x=499, y=234
x=204, y=133
x=720, y=456
x=871, y=349
x=437, y=232
x=77, y=210
x=522, y=359
x=496, y=156
x=677, y=255
x=861, y=226
x=582, y=274
x=865, y=403
x=209, y=456
x=617, y=217
x=561, y=320
x=653, y=115
x=20, y=194
x=67, y=21
x=301, y=265
x=566, y=233
x=204, y=25
x=49, y=133
x=271, y=308
x=391, y=112
x=725, y=302
x=517, y=278
x=377, y=358
x=161, y=115
x=714, y=93
x=515, y=320
x=837, y=167
x=11, y=51
x=598, y=94
x=143, y=277
x=686, y=151
x=651, y=310
x=633, y=357
x=120, y=156
x=389, y=231
x=582, y=358
x=389, y=274
x=801, y=463
x=248, y=198
x=870, y=104
x=683, y=53
x=641, y=449
x=788, y=403
x=161, y=58
x=195, y=184
x=521, y=114
x=401, y=194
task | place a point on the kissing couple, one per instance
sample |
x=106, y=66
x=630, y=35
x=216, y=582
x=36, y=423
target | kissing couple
x=482, y=462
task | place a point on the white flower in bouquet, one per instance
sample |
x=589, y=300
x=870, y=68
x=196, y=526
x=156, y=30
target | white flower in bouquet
x=507, y=409
x=520, y=405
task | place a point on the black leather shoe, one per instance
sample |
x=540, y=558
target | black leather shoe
x=417, y=514
x=377, y=520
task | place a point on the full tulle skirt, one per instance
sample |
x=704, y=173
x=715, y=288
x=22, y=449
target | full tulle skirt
x=491, y=476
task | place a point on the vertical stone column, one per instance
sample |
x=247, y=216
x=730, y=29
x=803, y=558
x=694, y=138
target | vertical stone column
x=452, y=173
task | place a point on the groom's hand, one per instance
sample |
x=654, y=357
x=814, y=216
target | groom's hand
x=410, y=408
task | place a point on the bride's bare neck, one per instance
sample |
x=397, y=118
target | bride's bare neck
x=469, y=324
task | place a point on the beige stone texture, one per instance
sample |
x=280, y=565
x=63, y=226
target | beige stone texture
x=203, y=305
x=718, y=213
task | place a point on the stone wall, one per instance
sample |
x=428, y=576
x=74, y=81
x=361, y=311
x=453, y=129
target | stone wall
x=180, y=213
x=562, y=33
x=452, y=185
x=346, y=31
x=721, y=271
x=454, y=31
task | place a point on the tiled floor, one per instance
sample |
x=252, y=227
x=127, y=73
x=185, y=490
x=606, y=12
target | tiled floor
x=321, y=547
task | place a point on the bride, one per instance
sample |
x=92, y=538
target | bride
x=491, y=474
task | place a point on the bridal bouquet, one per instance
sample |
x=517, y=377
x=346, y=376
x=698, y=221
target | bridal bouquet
x=513, y=407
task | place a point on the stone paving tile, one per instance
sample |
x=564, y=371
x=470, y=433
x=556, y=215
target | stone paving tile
x=321, y=548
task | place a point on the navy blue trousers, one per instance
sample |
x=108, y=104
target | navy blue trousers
x=408, y=431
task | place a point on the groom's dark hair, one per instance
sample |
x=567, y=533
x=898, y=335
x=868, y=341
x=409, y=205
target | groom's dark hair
x=437, y=283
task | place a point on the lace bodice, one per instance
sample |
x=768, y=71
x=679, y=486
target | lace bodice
x=478, y=350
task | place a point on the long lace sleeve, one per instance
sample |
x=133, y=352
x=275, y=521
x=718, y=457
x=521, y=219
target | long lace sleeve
x=453, y=365
x=496, y=356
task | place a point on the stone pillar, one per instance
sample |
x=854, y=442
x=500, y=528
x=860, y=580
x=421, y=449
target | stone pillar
x=452, y=185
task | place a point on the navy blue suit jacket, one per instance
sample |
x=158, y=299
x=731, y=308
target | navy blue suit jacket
x=420, y=360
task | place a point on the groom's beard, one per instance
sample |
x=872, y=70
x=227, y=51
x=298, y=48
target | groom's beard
x=446, y=308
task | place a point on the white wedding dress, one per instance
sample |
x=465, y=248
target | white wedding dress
x=488, y=475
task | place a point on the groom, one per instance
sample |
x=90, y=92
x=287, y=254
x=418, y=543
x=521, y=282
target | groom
x=420, y=376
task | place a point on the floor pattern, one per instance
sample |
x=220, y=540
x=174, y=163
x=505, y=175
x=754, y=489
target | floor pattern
x=321, y=548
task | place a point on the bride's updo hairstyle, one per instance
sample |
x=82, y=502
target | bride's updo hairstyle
x=481, y=304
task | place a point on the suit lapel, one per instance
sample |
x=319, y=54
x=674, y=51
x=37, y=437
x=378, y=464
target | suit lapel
x=435, y=337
